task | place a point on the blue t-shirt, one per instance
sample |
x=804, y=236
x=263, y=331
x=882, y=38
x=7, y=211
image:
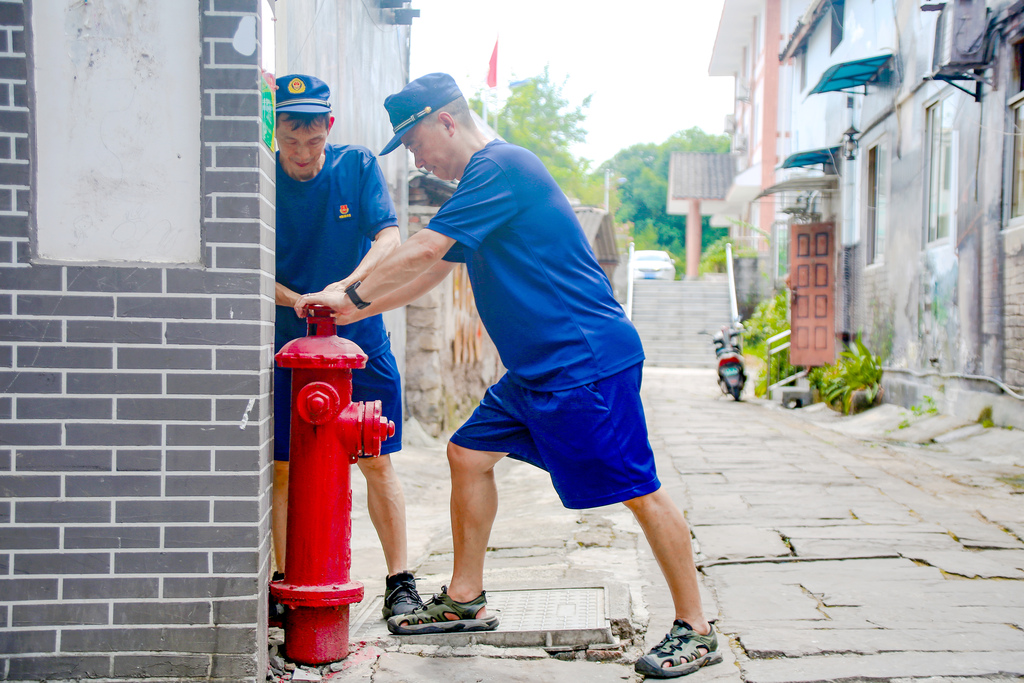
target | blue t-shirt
x=325, y=226
x=542, y=296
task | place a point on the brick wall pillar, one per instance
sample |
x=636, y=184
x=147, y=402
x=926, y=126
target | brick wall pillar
x=135, y=407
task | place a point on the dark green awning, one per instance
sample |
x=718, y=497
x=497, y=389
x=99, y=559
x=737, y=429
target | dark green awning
x=826, y=155
x=851, y=74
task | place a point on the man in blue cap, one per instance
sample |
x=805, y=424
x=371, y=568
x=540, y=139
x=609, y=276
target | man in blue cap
x=570, y=401
x=335, y=223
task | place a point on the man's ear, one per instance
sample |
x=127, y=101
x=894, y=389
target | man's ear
x=446, y=120
x=330, y=124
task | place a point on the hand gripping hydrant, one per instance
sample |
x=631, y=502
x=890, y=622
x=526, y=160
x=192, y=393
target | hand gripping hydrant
x=328, y=434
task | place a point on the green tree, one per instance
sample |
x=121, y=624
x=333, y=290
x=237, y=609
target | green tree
x=642, y=197
x=537, y=116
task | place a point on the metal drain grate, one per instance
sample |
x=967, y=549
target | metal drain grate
x=551, y=617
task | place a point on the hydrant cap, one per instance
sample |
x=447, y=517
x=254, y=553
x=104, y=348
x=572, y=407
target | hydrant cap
x=321, y=352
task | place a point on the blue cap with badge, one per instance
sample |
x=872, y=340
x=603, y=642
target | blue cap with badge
x=303, y=94
x=417, y=100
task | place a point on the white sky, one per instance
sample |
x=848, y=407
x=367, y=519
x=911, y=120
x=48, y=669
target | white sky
x=645, y=61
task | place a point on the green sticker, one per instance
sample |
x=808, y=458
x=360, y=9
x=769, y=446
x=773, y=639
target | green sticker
x=267, y=114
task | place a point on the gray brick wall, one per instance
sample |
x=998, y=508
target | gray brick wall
x=135, y=412
x=1014, y=318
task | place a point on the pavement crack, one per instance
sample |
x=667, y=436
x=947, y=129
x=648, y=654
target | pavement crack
x=1001, y=527
x=785, y=559
x=787, y=541
x=819, y=603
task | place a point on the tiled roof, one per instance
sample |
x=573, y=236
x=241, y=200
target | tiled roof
x=699, y=175
x=597, y=226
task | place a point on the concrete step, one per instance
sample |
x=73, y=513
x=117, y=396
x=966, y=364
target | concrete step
x=681, y=325
x=669, y=317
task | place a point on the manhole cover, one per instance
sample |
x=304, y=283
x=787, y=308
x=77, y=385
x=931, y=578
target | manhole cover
x=553, y=617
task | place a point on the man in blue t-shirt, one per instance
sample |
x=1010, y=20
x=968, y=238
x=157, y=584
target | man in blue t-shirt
x=335, y=223
x=570, y=401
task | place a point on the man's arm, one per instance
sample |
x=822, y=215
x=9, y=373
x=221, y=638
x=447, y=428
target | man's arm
x=284, y=296
x=419, y=254
x=384, y=244
x=401, y=296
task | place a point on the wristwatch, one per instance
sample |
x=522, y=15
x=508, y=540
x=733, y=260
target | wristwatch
x=351, y=291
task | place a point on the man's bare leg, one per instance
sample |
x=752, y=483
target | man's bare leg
x=474, y=504
x=385, y=502
x=669, y=535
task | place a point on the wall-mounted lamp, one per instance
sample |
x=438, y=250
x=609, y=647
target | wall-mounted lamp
x=850, y=143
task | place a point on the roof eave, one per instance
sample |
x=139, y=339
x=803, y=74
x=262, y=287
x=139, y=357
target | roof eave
x=804, y=27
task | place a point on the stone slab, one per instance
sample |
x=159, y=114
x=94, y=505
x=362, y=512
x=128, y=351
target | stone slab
x=927, y=429
x=882, y=666
x=558, y=617
x=763, y=599
x=762, y=643
x=964, y=432
x=738, y=541
x=396, y=667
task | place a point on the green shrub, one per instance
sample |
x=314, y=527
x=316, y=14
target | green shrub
x=855, y=369
x=712, y=260
x=769, y=319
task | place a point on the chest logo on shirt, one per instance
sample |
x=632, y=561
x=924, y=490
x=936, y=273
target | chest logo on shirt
x=343, y=211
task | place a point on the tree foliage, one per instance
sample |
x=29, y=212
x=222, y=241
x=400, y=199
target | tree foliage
x=537, y=116
x=644, y=194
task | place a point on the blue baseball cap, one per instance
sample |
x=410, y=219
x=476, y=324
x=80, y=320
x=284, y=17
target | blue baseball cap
x=302, y=94
x=416, y=100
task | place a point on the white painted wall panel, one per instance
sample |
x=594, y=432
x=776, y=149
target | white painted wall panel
x=117, y=130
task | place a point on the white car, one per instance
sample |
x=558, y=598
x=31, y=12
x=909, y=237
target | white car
x=653, y=265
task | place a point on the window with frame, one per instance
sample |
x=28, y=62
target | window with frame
x=878, y=202
x=1016, y=104
x=838, y=11
x=941, y=169
x=757, y=37
x=1017, y=183
x=781, y=250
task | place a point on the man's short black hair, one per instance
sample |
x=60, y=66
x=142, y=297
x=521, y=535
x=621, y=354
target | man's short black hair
x=305, y=120
x=459, y=110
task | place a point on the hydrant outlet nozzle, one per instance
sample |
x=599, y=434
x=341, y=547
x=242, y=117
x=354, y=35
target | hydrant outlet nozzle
x=318, y=403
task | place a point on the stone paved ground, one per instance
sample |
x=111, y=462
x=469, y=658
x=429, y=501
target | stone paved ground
x=835, y=558
x=830, y=550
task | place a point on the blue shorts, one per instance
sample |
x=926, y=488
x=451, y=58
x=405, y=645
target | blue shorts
x=378, y=381
x=592, y=439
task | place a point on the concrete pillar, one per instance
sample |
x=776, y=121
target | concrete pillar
x=693, y=237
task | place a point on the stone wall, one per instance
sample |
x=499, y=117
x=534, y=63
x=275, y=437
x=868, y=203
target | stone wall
x=450, y=360
x=1013, y=283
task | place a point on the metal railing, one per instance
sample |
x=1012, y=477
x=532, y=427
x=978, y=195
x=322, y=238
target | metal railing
x=733, y=309
x=770, y=351
x=629, y=283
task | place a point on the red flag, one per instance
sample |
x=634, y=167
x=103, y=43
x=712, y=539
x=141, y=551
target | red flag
x=492, y=72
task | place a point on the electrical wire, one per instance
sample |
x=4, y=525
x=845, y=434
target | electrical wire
x=958, y=375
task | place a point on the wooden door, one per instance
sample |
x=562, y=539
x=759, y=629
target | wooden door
x=812, y=283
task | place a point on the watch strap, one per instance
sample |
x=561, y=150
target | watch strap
x=351, y=292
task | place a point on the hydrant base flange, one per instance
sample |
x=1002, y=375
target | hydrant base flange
x=316, y=635
x=317, y=596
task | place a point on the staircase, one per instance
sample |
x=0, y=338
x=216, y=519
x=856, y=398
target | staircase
x=669, y=315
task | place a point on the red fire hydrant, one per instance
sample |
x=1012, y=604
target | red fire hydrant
x=328, y=434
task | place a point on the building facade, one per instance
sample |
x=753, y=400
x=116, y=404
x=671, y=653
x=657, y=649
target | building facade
x=899, y=127
x=745, y=50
